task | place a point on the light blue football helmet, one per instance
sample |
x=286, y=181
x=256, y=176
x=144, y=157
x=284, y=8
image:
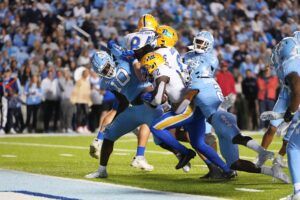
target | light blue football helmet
x=203, y=42
x=296, y=35
x=103, y=64
x=287, y=48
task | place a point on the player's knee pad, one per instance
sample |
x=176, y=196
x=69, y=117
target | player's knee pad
x=210, y=139
x=241, y=139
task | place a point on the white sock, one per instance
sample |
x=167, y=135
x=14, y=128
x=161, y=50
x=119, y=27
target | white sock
x=280, y=157
x=267, y=170
x=297, y=187
x=101, y=168
x=252, y=144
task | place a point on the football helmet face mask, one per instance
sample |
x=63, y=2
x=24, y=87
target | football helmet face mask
x=203, y=42
x=147, y=22
x=151, y=61
x=103, y=65
x=167, y=36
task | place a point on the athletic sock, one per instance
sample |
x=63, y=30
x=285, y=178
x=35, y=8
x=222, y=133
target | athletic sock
x=140, y=151
x=100, y=135
x=267, y=170
x=252, y=144
x=101, y=168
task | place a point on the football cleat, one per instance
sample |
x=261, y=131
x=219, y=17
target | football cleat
x=141, y=163
x=229, y=175
x=214, y=173
x=2, y=132
x=187, y=167
x=279, y=161
x=263, y=157
x=95, y=148
x=185, y=159
x=98, y=174
x=279, y=174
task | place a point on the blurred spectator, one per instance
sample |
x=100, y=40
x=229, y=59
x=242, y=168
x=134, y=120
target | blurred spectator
x=249, y=88
x=34, y=95
x=81, y=97
x=267, y=86
x=15, y=122
x=49, y=87
x=225, y=79
x=97, y=101
x=66, y=86
x=247, y=65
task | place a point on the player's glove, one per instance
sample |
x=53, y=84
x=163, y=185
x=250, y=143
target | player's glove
x=147, y=97
x=288, y=115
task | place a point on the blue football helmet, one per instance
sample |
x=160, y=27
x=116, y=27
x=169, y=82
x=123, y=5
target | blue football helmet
x=296, y=35
x=287, y=48
x=203, y=42
x=103, y=64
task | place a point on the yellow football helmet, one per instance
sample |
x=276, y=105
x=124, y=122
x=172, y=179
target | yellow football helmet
x=167, y=36
x=147, y=22
x=151, y=61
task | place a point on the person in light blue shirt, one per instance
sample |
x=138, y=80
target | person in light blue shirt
x=33, y=94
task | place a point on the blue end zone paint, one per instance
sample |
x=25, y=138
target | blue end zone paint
x=82, y=189
x=37, y=194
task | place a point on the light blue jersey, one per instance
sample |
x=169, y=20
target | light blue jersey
x=209, y=99
x=203, y=65
x=125, y=81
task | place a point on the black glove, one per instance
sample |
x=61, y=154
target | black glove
x=288, y=115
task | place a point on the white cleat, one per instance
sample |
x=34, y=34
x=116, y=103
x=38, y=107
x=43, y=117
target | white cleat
x=98, y=174
x=279, y=161
x=95, y=148
x=263, y=157
x=279, y=174
x=141, y=163
x=2, y=132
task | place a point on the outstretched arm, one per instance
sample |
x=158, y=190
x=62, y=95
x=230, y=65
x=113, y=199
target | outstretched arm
x=293, y=81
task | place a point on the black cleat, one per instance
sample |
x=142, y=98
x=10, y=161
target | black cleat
x=185, y=159
x=229, y=175
x=214, y=173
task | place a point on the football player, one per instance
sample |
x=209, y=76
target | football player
x=169, y=82
x=147, y=26
x=121, y=78
x=203, y=63
x=286, y=59
x=280, y=106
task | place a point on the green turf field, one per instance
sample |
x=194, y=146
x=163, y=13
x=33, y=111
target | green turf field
x=67, y=156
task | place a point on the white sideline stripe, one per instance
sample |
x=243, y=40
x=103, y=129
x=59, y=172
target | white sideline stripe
x=75, y=147
x=115, y=185
x=121, y=154
x=19, y=196
x=248, y=190
x=8, y=156
x=66, y=155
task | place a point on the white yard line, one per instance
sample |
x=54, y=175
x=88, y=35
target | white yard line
x=75, y=147
x=8, y=156
x=248, y=190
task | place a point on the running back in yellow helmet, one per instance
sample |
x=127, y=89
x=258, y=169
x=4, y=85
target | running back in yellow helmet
x=167, y=80
x=147, y=22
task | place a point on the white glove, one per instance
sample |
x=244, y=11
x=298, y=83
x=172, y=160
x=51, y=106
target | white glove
x=271, y=115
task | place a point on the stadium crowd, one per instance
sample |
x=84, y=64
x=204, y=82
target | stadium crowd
x=40, y=54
